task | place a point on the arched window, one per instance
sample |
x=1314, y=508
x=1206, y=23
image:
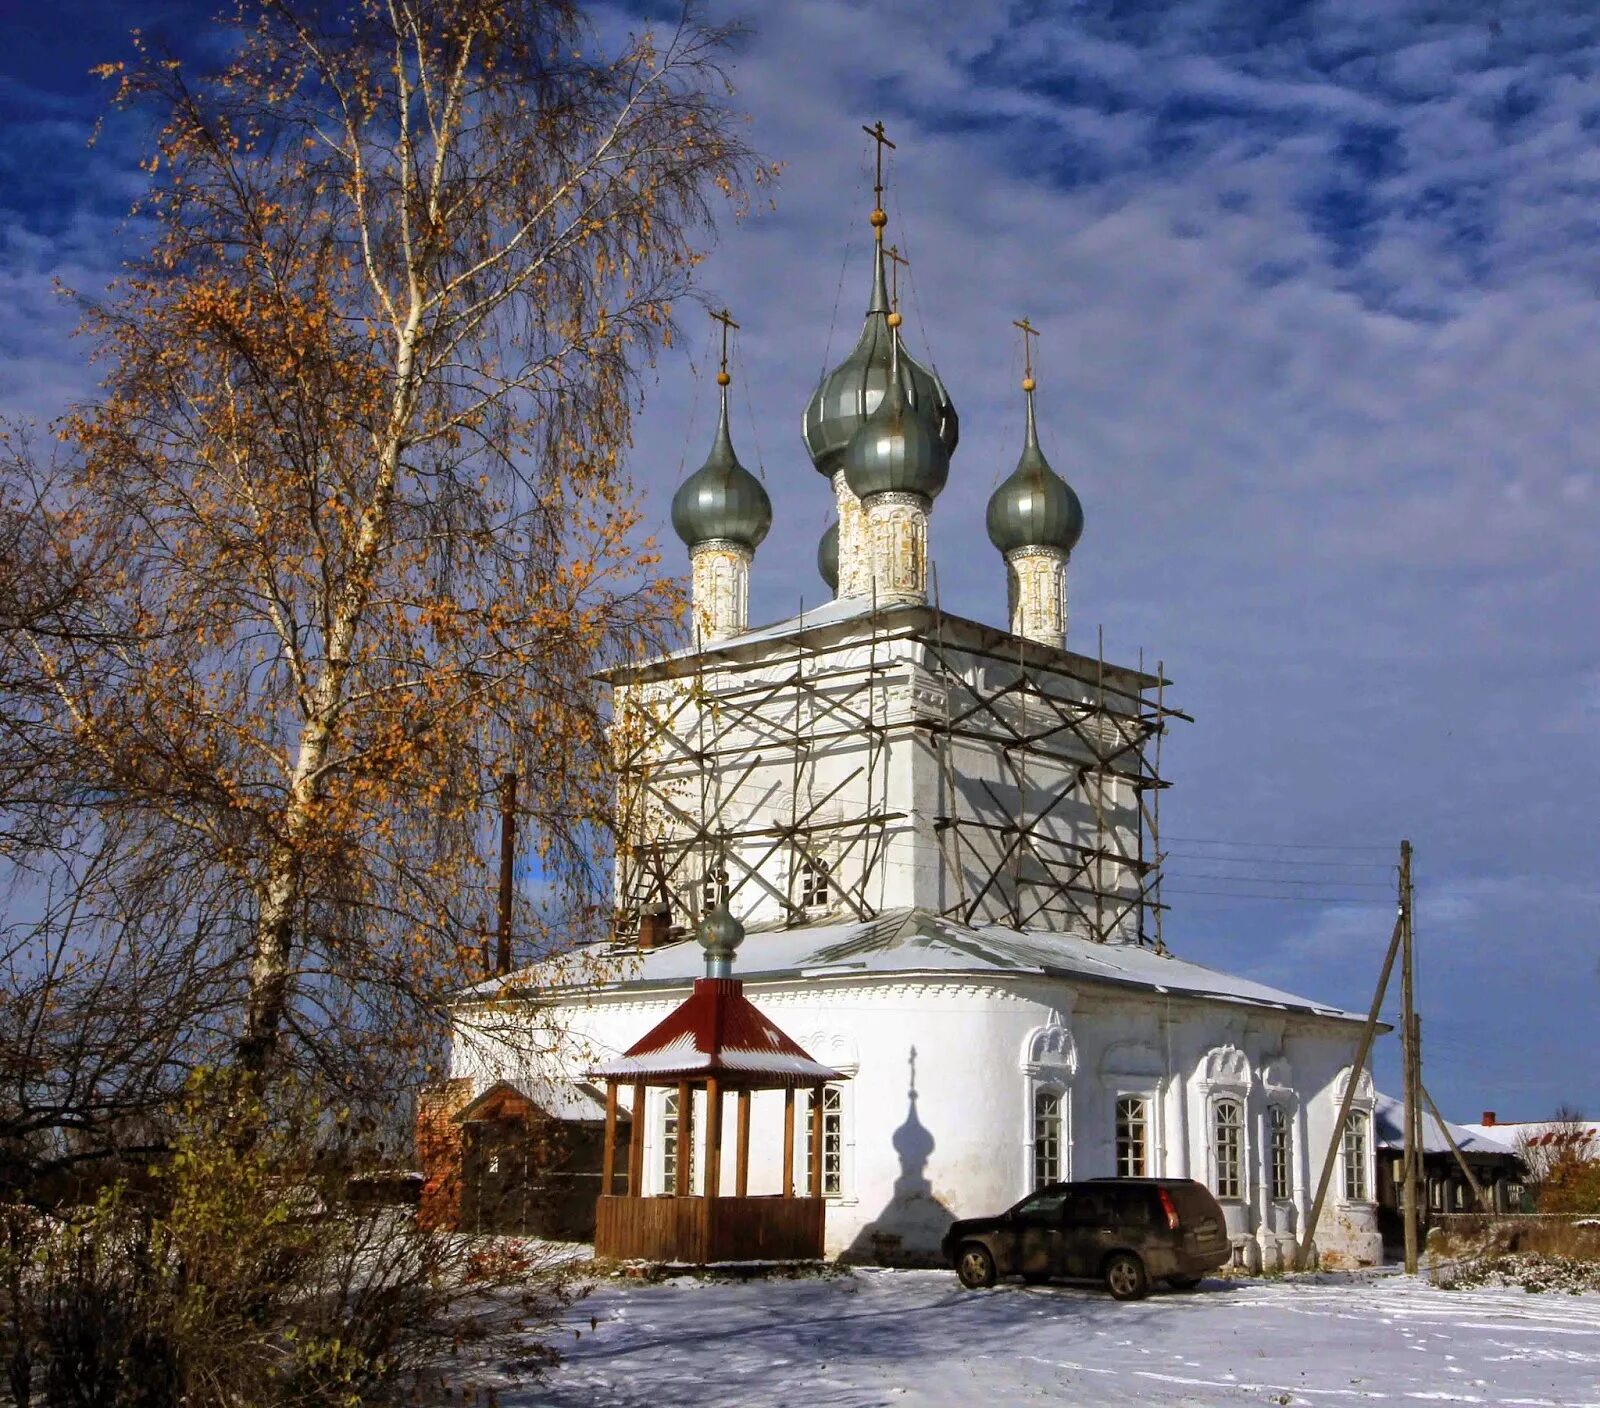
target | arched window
x=1046, y=1137
x=832, y=1141
x=1355, y=1157
x=714, y=888
x=1227, y=1141
x=1279, y=1178
x=813, y=883
x=1133, y=1135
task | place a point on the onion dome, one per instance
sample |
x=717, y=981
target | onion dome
x=828, y=557
x=1035, y=507
x=896, y=450
x=722, y=499
x=849, y=394
x=720, y=935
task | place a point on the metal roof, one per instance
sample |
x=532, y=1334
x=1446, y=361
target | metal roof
x=717, y=1031
x=915, y=941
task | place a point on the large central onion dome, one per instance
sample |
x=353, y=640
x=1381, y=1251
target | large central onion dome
x=1034, y=507
x=722, y=500
x=851, y=392
x=896, y=450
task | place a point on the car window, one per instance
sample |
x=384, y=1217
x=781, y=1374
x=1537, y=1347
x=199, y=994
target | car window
x=1090, y=1208
x=1043, y=1206
x=1133, y=1206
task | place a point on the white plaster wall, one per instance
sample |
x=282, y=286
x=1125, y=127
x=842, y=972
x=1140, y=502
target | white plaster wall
x=962, y=1145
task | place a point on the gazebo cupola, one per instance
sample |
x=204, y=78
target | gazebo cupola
x=713, y=1042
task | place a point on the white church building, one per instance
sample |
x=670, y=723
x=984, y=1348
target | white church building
x=941, y=838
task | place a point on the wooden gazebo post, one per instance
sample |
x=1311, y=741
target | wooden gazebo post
x=713, y=1137
x=636, y=1143
x=608, y=1163
x=741, y=1184
x=788, y=1142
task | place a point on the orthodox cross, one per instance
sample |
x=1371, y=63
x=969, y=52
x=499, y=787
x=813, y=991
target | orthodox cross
x=897, y=259
x=727, y=323
x=1029, y=332
x=879, y=219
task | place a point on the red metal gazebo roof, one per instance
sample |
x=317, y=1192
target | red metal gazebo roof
x=717, y=1031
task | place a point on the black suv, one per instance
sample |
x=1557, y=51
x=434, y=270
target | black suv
x=1124, y=1231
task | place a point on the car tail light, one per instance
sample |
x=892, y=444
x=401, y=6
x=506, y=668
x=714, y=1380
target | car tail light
x=1168, y=1207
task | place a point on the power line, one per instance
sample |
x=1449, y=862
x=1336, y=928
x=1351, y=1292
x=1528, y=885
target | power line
x=1277, y=879
x=1361, y=865
x=1274, y=845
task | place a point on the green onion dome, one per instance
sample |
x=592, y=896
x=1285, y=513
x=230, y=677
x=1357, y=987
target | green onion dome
x=896, y=450
x=846, y=396
x=1035, y=507
x=722, y=499
x=828, y=557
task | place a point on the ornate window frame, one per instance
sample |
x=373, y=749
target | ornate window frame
x=1224, y=1075
x=1049, y=1064
x=1362, y=1105
x=1135, y=1070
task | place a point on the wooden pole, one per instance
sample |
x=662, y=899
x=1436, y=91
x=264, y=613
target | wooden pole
x=685, y=1180
x=713, y=1137
x=1412, y=1081
x=788, y=1142
x=1477, y=1188
x=816, y=1140
x=608, y=1165
x=1363, y=1050
x=742, y=1172
x=636, y=1143
x=508, y=855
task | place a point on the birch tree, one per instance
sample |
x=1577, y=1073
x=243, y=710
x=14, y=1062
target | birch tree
x=360, y=454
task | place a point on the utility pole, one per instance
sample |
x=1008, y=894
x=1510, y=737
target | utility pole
x=1412, y=1067
x=508, y=856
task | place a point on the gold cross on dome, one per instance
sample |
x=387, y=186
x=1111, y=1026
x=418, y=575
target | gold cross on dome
x=897, y=259
x=726, y=319
x=1029, y=332
x=877, y=134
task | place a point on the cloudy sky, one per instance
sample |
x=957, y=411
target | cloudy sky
x=1318, y=287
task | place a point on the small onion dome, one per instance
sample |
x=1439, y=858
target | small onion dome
x=722, y=499
x=828, y=557
x=1035, y=507
x=896, y=450
x=848, y=394
x=719, y=933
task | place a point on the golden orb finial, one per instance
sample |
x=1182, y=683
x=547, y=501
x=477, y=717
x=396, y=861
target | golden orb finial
x=1027, y=383
x=893, y=319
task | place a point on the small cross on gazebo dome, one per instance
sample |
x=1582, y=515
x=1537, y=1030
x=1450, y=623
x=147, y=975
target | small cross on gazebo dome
x=715, y=1041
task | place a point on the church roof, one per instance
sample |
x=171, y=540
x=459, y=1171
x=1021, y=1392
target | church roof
x=837, y=616
x=905, y=941
x=717, y=1031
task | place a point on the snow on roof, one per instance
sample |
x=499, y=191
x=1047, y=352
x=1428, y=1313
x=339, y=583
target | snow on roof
x=718, y=1031
x=916, y=940
x=842, y=610
x=1512, y=1134
x=1390, y=1121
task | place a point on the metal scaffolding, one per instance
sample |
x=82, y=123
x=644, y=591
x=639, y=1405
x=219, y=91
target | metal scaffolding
x=1050, y=844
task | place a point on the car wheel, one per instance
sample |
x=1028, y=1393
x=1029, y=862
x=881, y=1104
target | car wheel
x=975, y=1266
x=1183, y=1283
x=1125, y=1277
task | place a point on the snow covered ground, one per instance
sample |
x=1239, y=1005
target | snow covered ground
x=915, y=1337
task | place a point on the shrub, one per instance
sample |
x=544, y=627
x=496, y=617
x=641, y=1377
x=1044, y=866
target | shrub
x=244, y=1275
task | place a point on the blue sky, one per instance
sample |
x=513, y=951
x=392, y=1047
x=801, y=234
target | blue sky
x=1318, y=287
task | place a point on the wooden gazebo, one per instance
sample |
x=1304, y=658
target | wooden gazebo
x=716, y=1041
